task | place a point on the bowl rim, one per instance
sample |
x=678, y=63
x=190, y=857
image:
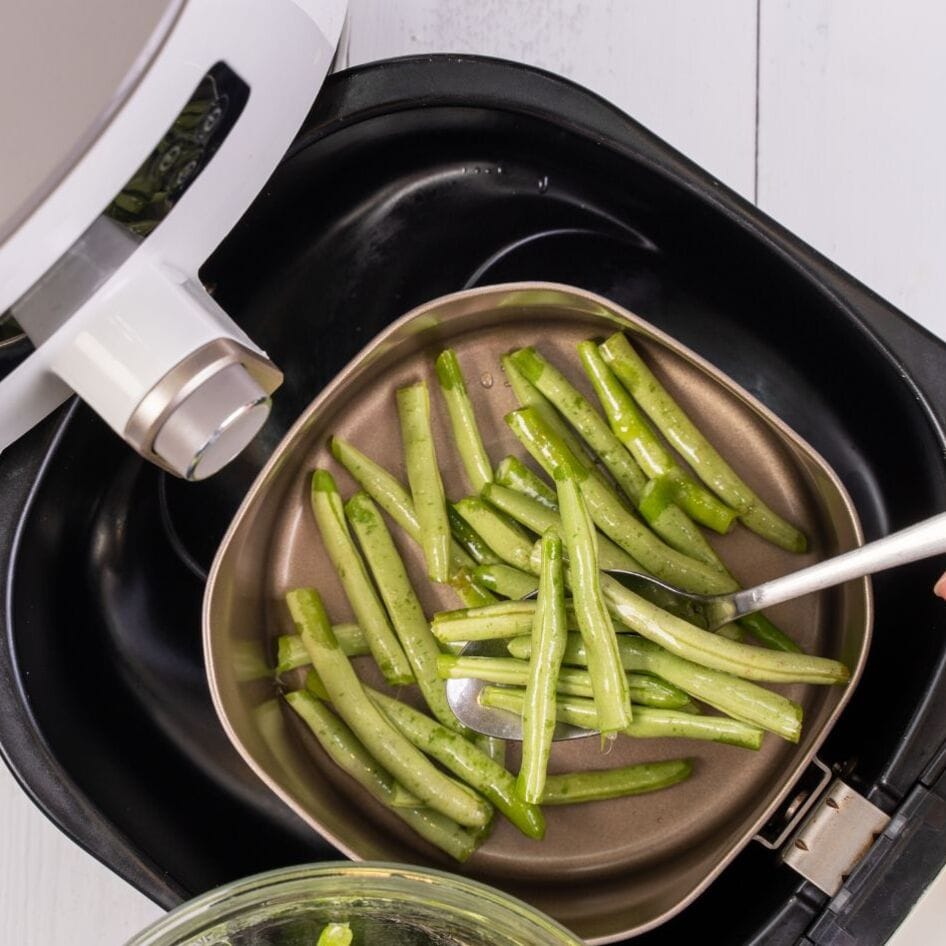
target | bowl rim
x=232, y=899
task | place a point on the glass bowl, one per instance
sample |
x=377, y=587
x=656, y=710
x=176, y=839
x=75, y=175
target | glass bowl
x=386, y=905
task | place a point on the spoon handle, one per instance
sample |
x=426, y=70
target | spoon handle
x=915, y=542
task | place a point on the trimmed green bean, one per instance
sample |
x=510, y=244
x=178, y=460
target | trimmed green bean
x=514, y=474
x=344, y=748
x=549, y=633
x=493, y=621
x=529, y=396
x=569, y=788
x=629, y=426
x=594, y=621
x=291, y=653
x=537, y=517
x=395, y=753
x=464, y=760
x=577, y=410
x=734, y=696
x=350, y=568
x=649, y=722
x=469, y=539
x=335, y=934
x=466, y=434
x=711, y=650
x=506, y=580
x=503, y=536
x=683, y=434
x=610, y=515
x=643, y=689
x=404, y=609
x=767, y=633
x=423, y=475
x=394, y=499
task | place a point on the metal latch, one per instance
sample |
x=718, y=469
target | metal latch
x=838, y=831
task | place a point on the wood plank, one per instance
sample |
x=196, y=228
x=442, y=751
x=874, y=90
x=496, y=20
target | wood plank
x=51, y=890
x=852, y=137
x=685, y=69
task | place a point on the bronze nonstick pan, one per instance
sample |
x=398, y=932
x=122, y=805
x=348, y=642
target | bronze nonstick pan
x=606, y=870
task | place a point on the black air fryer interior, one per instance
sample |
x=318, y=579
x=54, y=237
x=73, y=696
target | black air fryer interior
x=414, y=179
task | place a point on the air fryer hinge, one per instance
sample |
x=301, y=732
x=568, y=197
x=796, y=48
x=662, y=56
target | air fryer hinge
x=834, y=837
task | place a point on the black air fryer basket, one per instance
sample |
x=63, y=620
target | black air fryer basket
x=411, y=179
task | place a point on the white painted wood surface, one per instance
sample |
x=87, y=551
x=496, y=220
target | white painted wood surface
x=850, y=143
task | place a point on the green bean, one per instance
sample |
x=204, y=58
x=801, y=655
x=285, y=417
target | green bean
x=569, y=788
x=767, y=634
x=514, y=474
x=633, y=431
x=492, y=746
x=734, y=696
x=506, y=580
x=570, y=402
x=643, y=689
x=344, y=748
x=369, y=612
x=399, y=598
x=549, y=633
x=597, y=631
x=291, y=653
x=335, y=934
x=502, y=535
x=530, y=396
x=409, y=766
x=649, y=722
x=423, y=475
x=492, y=621
x=537, y=517
x=393, y=498
x=711, y=650
x=466, y=434
x=469, y=539
x=683, y=434
x=405, y=799
x=610, y=515
x=465, y=761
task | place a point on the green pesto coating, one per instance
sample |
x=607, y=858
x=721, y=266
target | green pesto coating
x=514, y=474
x=711, y=650
x=343, y=747
x=549, y=634
x=577, y=410
x=466, y=434
x=734, y=696
x=404, y=609
x=350, y=568
x=683, y=434
x=538, y=518
x=611, y=516
x=394, y=499
x=649, y=722
x=423, y=476
x=464, y=760
x=594, y=621
x=569, y=788
x=409, y=766
x=506, y=580
x=630, y=427
x=291, y=653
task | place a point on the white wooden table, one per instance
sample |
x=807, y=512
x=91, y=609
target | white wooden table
x=827, y=113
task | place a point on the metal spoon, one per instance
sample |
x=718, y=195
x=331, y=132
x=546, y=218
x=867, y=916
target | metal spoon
x=712, y=611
